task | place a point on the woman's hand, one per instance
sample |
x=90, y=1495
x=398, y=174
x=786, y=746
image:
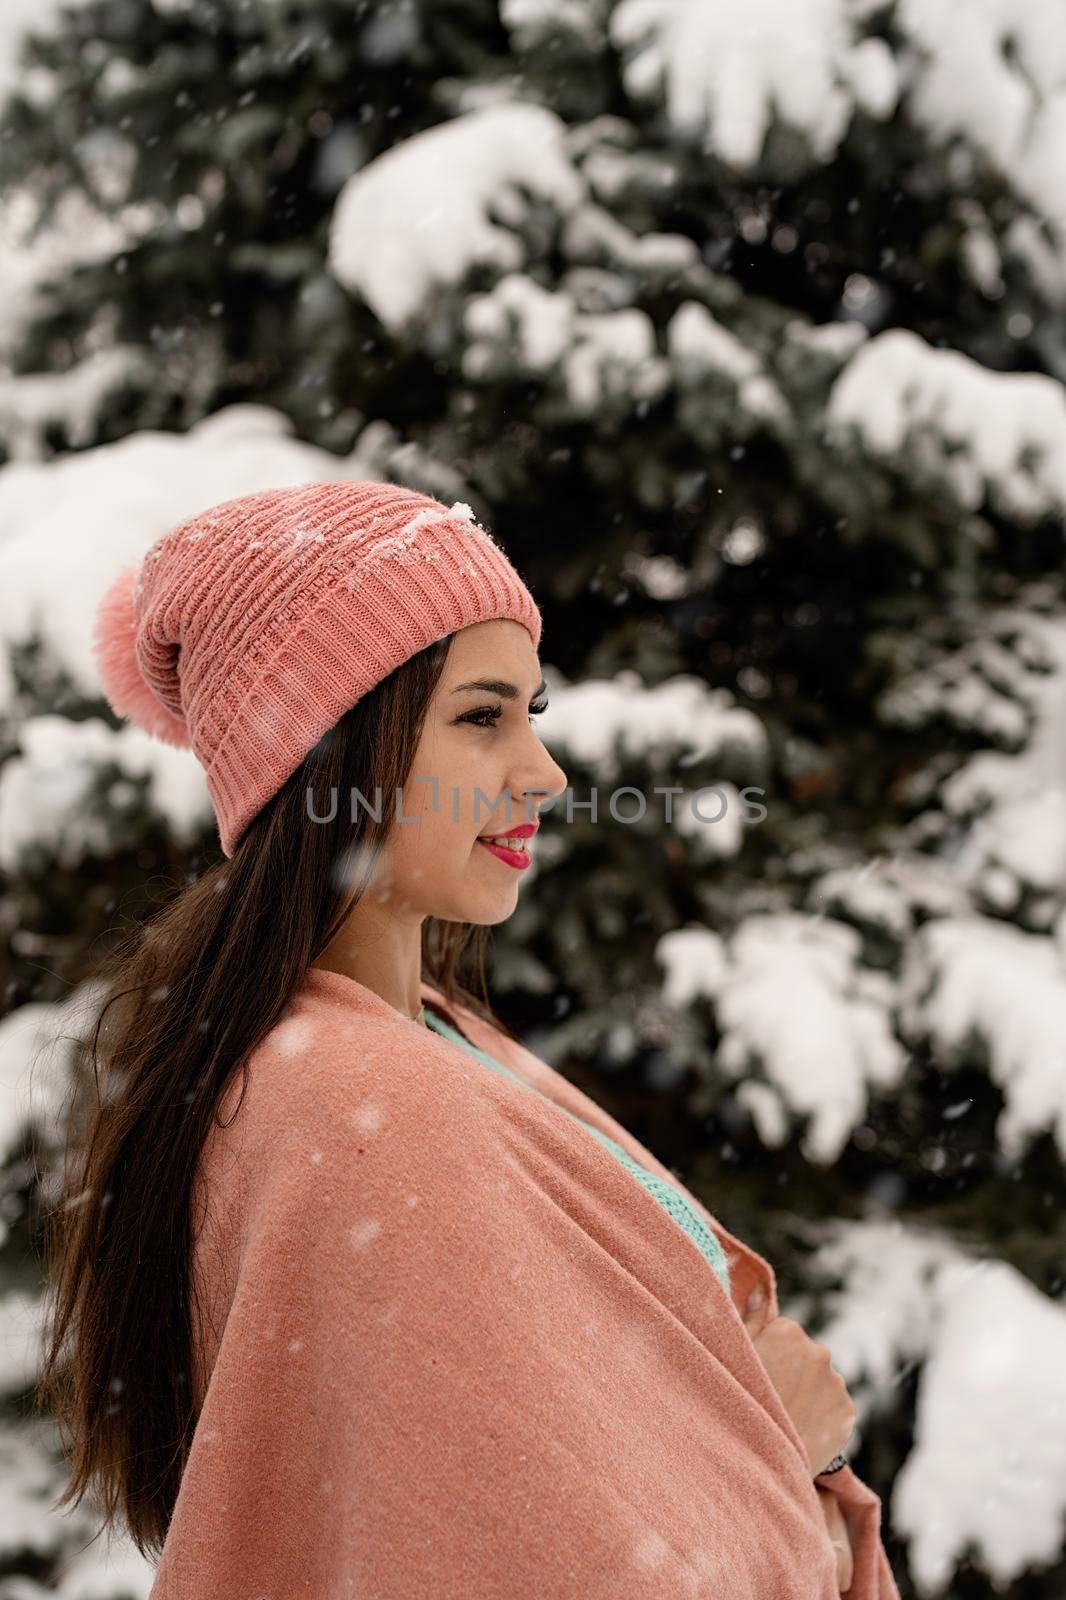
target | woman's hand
x=812, y=1391
x=838, y=1534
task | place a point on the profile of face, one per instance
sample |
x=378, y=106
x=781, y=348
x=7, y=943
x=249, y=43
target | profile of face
x=480, y=770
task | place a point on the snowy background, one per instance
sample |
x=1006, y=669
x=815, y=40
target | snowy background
x=742, y=323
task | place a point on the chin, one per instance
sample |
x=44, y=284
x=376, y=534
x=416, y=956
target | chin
x=477, y=911
x=476, y=906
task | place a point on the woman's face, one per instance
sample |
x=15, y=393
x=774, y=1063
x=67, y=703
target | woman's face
x=474, y=739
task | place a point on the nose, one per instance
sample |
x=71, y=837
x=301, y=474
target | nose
x=559, y=780
x=546, y=781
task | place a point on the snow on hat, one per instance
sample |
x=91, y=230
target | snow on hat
x=249, y=629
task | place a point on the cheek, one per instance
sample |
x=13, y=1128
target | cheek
x=463, y=762
x=432, y=848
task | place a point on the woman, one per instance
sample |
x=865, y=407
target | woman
x=354, y=1295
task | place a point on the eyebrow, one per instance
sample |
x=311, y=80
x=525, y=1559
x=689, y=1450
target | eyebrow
x=500, y=687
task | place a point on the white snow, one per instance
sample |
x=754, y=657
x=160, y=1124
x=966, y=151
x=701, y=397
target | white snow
x=975, y=979
x=891, y=891
x=602, y=721
x=533, y=325
x=530, y=22
x=795, y=1010
x=726, y=72
x=712, y=819
x=20, y=1343
x=988, y=687
x=292, y=1036
x=363, y=1233
x=990, y=1348
x=995, y=1372
x=592, y=234
x=594, y=359
x=18, y=20
x=614, y=358
x=694, y=964
x=999, y=83
x=1014, y=803
x=48, y=790
x=408, y=545
x=113, y=1565
x=973, y=427
x=33, y=1477
x=28, y=1474
x=701, y=348
x=35, y=1081
x=37, y=249
x=767, y=1110
x=866, y=896
x=992, y=93
x=1007, y=685
x=420, y=215
x=833, y=341
x=30, y=401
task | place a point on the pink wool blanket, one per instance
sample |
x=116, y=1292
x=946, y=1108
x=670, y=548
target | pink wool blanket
x=450, y=1349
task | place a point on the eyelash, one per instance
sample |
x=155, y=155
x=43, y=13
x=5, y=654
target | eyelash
x=494, y=713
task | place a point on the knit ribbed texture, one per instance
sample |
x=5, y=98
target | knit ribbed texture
x=667, y=1194
x=248, y=630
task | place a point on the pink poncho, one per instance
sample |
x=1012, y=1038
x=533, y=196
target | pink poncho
x=452, y=1350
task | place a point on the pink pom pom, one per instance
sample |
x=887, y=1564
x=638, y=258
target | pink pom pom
x=114, y=646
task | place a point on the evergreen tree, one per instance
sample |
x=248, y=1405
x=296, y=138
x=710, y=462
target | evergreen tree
x=740, y=325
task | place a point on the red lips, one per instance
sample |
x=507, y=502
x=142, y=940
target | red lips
x=524, y=831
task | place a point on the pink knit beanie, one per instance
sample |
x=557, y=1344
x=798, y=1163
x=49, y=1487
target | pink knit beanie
x=249, y=630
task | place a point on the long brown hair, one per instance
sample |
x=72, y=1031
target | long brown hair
x=190, y=994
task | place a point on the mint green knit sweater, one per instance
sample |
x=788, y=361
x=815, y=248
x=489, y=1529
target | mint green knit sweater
x=669, y=1197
